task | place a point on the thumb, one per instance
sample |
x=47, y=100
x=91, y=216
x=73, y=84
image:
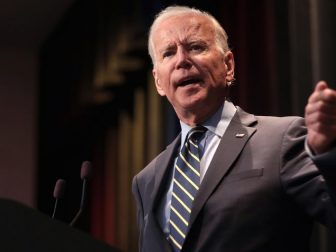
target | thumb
x=321, y=85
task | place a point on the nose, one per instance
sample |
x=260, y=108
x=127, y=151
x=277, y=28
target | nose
x=183, y=59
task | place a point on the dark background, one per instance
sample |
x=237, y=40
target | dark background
x=94, y=98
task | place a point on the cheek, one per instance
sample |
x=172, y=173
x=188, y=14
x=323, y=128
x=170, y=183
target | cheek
x=163, y=77
x=214, y=67
x=218, y=71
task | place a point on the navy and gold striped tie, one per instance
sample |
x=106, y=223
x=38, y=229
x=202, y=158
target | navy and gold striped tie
x=186, y=183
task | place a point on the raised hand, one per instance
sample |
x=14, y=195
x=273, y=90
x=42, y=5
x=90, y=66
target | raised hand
x=320, y=118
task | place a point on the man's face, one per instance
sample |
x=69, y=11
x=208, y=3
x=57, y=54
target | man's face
x=189, y=67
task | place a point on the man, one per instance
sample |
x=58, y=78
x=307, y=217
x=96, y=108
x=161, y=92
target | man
x=261, y=180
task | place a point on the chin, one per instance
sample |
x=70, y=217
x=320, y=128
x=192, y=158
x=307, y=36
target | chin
x=195, y=105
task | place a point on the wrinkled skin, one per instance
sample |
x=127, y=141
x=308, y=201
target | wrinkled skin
x=189, y=68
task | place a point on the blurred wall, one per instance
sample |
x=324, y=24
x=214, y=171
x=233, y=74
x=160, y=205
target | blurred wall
x=18, y=93
x=23, y=27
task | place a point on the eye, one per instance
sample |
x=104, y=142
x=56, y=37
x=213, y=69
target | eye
x=197, y=47
x=167, y=53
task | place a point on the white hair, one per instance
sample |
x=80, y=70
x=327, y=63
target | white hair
x=173, y=11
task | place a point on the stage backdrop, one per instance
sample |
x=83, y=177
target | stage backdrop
x=98, y=102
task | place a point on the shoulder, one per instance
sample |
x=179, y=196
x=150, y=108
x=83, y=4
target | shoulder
x=283, y=122
x=271, y=128
x=287, y=125
x=279, y=123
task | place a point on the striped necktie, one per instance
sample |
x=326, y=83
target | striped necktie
x=186, y=183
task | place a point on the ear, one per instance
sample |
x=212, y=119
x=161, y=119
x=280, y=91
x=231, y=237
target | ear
x=230, y=65
x=158, y=86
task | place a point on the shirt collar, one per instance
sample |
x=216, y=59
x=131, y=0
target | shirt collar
x=216, y=124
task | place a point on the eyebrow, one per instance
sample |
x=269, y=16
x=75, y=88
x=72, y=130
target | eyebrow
x=167, y=47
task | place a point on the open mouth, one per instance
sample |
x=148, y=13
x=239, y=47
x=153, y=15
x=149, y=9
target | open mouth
x=189, y=81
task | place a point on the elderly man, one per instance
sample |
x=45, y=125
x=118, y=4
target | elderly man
x=231, y=181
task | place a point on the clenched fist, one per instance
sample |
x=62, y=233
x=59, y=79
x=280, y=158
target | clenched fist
x=320, y=117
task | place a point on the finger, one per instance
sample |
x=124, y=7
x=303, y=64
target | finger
x=321, y=107
x=328, y=96
x=315, y=96
x=323, y=129
x=321, y=85
x=323, y=118
x=323, y=93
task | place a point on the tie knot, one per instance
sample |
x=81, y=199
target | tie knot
x=196, y=133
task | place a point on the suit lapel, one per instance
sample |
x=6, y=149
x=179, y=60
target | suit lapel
x=228, y=150
x=153, y=232
x=232, y=143
x=163, y=168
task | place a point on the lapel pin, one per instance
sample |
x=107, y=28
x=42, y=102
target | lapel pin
x=240, y=135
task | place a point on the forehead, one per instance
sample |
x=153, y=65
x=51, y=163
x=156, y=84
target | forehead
x=182, y=28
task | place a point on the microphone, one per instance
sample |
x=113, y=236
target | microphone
x=58, y=194
x=86, y=171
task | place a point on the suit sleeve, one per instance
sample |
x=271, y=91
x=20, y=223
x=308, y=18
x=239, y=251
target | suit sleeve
x=326, y=163
x=310, y=183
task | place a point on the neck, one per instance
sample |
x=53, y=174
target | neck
x=194, y=118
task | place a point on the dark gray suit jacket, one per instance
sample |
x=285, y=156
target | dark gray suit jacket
x=261, y=191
